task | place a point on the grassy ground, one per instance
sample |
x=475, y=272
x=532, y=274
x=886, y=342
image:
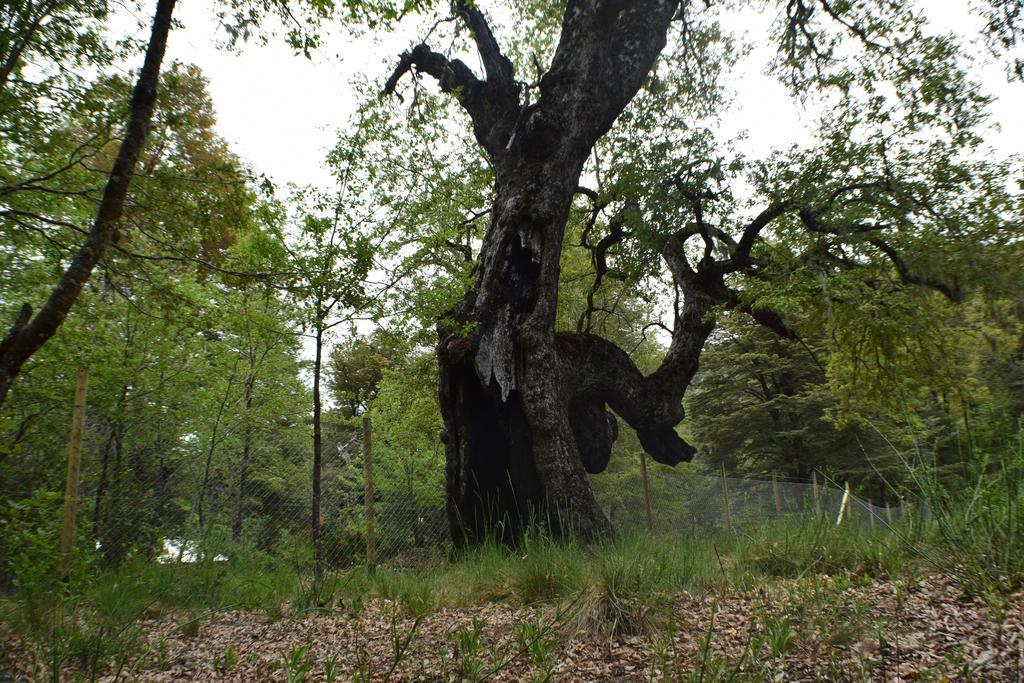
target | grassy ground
x=798, y=598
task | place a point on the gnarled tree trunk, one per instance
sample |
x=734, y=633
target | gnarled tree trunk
x=525, y=409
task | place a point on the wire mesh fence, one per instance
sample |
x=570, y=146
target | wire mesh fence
x=180, y=516
x=681, y=503
x=359, y=520
x=181, y=504
x=193, y=503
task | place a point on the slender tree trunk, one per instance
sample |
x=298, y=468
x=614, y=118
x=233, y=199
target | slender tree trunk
x=208, y=465
x=315, y=526
x=21, y=36
x=28, y=333
x=161, y=493
x=101, y=488
x=113, y=541
x=243, y=466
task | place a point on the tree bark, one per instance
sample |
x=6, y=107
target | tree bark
x=20, y=36
x=101, y=489
x=28, y=333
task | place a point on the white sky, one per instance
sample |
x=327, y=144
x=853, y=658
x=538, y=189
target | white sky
x=280, y=112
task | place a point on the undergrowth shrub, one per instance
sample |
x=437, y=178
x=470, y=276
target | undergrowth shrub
x=30, y=541
x=978, y=524
x=624, y=590
x=543, y=569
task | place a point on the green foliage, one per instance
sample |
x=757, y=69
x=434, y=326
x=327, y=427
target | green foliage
x=760, y=407
x=356, y=366
x=199, y=407
x=30, y=539
x=303, y=20
x=408, y=457
x=540, y=647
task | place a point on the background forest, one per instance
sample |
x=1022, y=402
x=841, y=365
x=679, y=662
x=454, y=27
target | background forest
x=225, y=303
x=237, y=333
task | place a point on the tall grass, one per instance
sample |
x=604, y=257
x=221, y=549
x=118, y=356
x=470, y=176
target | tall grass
x=978, y=525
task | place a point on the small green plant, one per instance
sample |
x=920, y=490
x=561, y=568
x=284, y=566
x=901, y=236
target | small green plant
x=624, y=588
x=711, y=666
x=163, y=660
x=821, y=608
x=226, y=661
x=296, y=664
x=545, y=569
x=666, y=663
x=778, y=634
x=469, y=646
x=190, y=625
x=540, y=648
x=331, y=669
x=980, y=524
x=415, y=594
x=363, y=673
x=401, y=640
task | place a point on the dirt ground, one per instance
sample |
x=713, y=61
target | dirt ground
x=821, y=629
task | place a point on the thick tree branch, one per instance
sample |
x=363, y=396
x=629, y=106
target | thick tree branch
x=605, y=50
x=22, y=40
x=696, y=200
x=598, y=372
x=599, y=259
x=741, y=254
x=953, y=293
x=493, y=107
x=497, y=66
x=451, y=75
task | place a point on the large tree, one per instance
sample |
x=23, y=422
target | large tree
x=525, y=406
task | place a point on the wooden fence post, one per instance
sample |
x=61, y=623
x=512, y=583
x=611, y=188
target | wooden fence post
x=371, y=542
x=888, y=512
x=647, y=491
x=67, y=535
x=843, y=504
x=725, y=499
x=775, y=493
x=816, y=494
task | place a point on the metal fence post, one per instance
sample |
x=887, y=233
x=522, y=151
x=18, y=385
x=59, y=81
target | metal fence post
x=815, y=493
x=67, y=535
x=843, y=503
